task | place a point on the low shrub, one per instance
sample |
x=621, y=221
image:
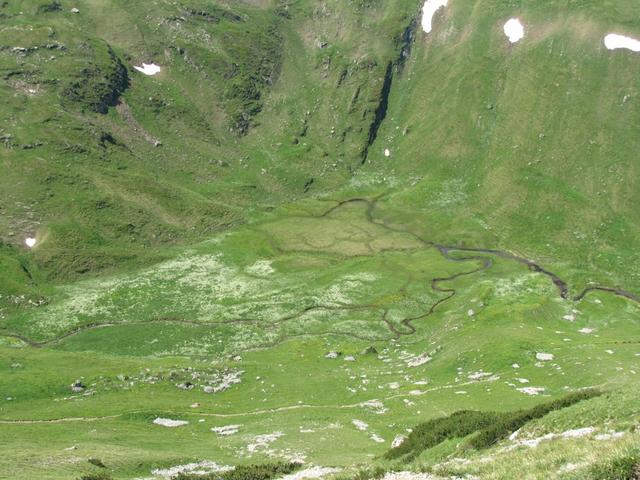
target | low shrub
x=491, y=427
x=436, y=431
x=509, y=422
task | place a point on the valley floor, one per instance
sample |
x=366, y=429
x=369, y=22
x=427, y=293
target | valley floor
x=321, y=325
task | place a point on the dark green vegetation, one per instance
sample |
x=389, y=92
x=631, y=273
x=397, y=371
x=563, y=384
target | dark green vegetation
x=625, y=467
x=208, y=238
x=490, y=427
x=96, y=476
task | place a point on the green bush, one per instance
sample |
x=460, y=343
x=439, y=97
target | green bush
x=434, y=432
x=54, y=6
x=509, y=422
x=490, y=426
x=257, y=56
x=99, y=84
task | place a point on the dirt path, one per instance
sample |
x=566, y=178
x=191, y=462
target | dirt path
x=266, y=411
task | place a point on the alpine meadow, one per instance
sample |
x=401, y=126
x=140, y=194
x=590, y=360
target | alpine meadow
x=319, y=239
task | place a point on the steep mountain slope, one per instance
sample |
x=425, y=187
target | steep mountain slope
x=107, y=165
x=530, y=146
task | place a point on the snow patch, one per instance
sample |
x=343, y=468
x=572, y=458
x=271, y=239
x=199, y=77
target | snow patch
x=148, y=68
x=428, y=11
x=614, y=41
x=167, y=422
x=514, y=30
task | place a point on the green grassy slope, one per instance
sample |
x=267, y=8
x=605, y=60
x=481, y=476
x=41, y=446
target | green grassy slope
x=530, y=146
x=94, y=187
x=211, y=237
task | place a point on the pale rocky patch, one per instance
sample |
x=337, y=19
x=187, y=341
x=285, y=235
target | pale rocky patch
x=261, y=442
x=360, y=425
x=531, y=390
x=311, y=472
x=261, y=268
x=226, y=430
x=419, y=360
x=544, y=357
x=398, y=440
x=167, y=422
x=200, y=468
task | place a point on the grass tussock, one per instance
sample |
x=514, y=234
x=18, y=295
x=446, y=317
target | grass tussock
x=622, y=467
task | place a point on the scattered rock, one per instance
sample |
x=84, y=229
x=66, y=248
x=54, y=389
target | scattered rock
x=78, y=387
x=532, y=390
x=360, y=425
x=332, y=355
x=200, y=468
x=397, y=441
x=226, y=430
x=419, y=360
x=312, y=472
